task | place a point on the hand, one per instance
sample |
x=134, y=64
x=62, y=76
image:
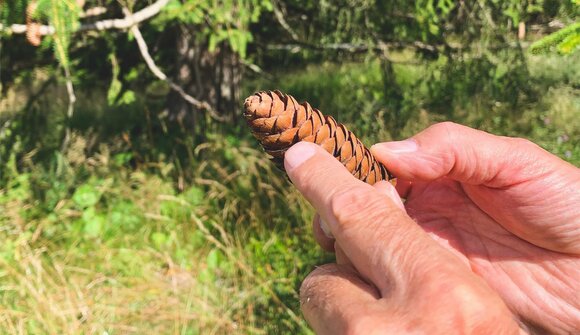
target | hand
x=492, y=247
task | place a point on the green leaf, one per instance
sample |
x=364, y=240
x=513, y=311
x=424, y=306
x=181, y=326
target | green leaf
x=569, y=44
x=194, y=196
x=213, y=41
x=213, y=259
x=173, y=5
x=564, y=35
x=159, y=239
x=124, y=215
x=93, y=223
x=86, y=196
x=127, y=98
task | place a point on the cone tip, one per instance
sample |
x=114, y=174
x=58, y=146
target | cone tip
x=251, y=103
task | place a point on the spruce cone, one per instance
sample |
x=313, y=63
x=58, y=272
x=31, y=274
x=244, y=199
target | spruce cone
x=278, y=121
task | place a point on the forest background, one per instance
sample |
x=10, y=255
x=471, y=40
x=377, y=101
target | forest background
x=133, y=198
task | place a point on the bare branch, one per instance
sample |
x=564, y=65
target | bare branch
x=280, y=17
x=256, y=69
x=70, y=110
x=144, y=49
x=94, y=11
x=352, y=47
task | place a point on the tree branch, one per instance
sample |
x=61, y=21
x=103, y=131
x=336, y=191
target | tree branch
x=381, y=46
x=130, y=21
x=352, y=47
x=124, y=23
x=144, y=49
x=280, y=17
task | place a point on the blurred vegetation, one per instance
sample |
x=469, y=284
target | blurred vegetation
x=129, y=210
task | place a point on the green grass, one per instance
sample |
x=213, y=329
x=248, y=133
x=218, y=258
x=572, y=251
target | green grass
x=94, y=247
x=139, y=228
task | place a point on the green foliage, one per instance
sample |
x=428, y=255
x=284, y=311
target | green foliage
x=518, y=11
x=565, y=40
x=219, y=21
x=63, y=15
x=430, y=14
x=12, y=11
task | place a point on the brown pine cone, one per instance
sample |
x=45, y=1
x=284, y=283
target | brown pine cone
x=278, y=121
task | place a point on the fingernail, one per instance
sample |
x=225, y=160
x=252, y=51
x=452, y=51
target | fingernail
x=325, y=229
x=298, y=154
x=398, y=147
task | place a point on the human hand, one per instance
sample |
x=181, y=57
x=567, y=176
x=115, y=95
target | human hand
x=498, y=209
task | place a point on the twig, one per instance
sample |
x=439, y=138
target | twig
x=94, y=11
x=255, y=68
x=280, y=17
x=70, y=109
x=144, y=49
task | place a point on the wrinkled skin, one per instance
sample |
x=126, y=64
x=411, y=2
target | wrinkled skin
x=488, y=240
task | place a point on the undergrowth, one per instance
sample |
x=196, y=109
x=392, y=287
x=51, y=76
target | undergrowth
x=140, y=227
x=92, y=246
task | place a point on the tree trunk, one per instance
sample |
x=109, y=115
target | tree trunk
x=214, y=77
x=393, y=97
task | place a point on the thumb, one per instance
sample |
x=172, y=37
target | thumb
x=373, y=231
x=463, y=154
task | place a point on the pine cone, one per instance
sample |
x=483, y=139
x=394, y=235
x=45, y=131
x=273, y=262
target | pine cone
x=278, y=121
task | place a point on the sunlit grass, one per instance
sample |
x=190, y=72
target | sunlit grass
x=223, y=256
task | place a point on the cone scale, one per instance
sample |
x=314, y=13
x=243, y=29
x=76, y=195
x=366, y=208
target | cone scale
x=278, y=121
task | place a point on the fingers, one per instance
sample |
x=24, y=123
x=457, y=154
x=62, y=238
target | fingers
x=341, y=257
x=333, y=300
x=403, y=187
x=528, y=190
x=389, y=190
x=323, y=235
x=462, y=153
x=320, y=236
x=395, y=268
x=375, y=234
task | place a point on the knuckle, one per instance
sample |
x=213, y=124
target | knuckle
x=523, y=143
x=354, y=204
x=451, y=132
x=318, y=279
x=446, y=134
x=527, y=151
x=446, y=127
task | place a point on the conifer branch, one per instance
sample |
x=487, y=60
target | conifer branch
x=121, y=24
